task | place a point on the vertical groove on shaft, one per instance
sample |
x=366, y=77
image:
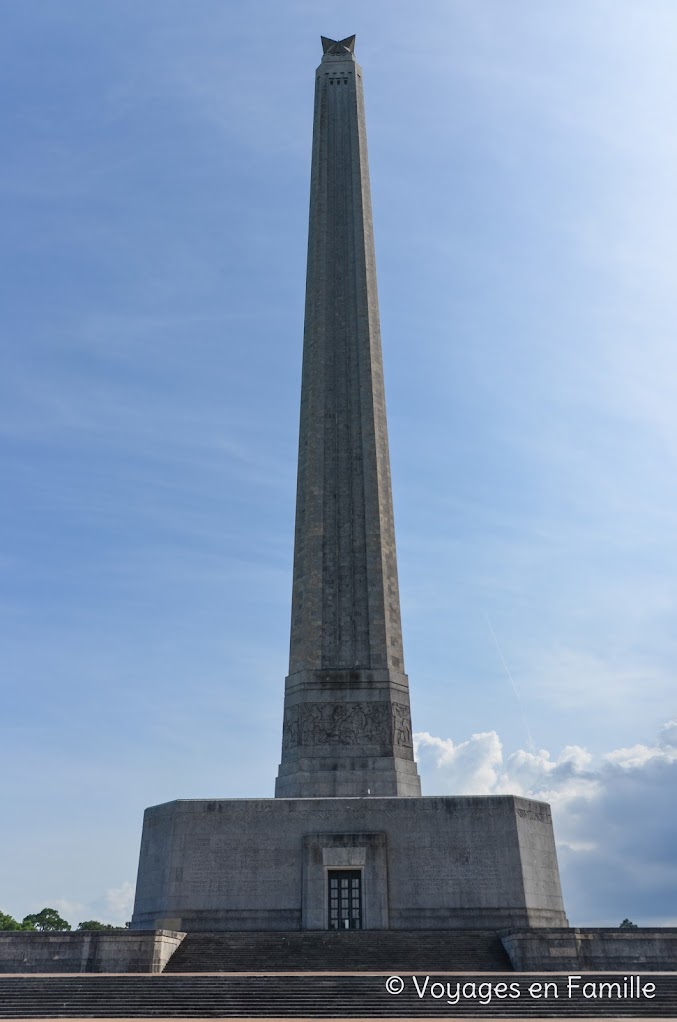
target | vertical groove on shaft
x=345, y=611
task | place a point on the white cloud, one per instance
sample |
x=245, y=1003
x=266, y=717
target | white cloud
x=477, y=767
x=557, y=781
x=119, y=903
x=638, y=756
x=614, y=819
x=470, y=767
x=667, y=736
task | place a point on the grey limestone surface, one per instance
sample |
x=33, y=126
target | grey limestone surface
x=426, y=863
x=592, y=949
x=347, y=723
x=543, y=949
x=87, y=951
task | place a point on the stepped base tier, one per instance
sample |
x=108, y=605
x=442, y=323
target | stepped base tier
x=409, y=863
x=347, y=733
x=542, y=949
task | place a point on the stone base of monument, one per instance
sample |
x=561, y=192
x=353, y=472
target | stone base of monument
x=592, y=949
x=404, y=863
x=389, y=952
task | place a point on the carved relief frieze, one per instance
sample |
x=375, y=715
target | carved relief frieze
x=401, y=725
x=352, y=723
x=540, y=815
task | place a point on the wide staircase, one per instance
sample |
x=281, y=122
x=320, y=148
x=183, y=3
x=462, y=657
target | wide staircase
x=342, y=951
x=356, y=974
x=311, y=996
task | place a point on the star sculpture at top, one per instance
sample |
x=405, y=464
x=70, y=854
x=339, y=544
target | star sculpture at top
x=346, y=45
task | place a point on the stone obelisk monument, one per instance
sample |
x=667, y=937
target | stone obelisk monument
x=339, y=847
x=347, y=724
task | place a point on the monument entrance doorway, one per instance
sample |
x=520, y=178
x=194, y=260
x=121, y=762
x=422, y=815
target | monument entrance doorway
x=345, y=899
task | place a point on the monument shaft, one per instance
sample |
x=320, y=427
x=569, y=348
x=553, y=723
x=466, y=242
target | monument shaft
x=347, y=725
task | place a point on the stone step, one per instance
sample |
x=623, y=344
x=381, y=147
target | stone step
x=314, y=996
x=349, y=951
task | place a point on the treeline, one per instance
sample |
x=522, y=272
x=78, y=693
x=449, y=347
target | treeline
x=49, y=919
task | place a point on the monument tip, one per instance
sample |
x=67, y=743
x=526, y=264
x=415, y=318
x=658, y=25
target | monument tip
x=346, y=45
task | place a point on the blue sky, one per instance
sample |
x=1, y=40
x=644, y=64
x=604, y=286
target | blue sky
x=154, y=201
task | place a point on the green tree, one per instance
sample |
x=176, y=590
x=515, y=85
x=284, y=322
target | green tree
x=627, y=924
x=94, y=924
x=47, y=919
x=8, y=922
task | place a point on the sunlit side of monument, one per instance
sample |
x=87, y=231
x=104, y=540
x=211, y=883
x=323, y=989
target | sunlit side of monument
x=348, y=842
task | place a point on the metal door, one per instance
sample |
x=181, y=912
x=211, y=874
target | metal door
x=345, y=899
